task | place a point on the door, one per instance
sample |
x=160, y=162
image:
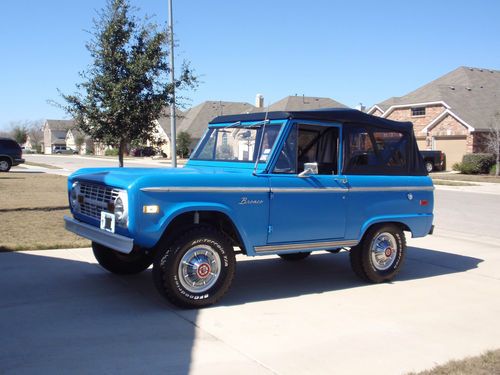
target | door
x=303, y=206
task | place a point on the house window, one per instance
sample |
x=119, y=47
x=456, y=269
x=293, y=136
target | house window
x=420, y=111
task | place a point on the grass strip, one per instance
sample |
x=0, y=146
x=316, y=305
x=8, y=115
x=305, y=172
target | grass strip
x=486, y=364
x=452, y=183
x=465, y=177
x=43, y=165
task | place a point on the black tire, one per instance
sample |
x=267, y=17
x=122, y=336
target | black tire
x=429, y=166
x=119, y=263
x=5, y=164
x=203, y=257
x=373, y=266
x=294, y=256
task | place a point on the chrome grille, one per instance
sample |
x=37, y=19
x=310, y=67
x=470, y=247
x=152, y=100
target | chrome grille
x=96, y=199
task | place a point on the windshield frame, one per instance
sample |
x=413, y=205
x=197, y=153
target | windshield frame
x=260, y=125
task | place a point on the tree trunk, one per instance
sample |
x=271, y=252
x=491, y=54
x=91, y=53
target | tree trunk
x=497, y=170
x=121, y=151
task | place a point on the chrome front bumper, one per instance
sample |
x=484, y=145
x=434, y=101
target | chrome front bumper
x=112, y=240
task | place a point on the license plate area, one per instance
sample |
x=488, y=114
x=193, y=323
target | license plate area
x=108, y=221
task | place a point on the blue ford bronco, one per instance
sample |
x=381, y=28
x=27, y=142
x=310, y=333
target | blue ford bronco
x=285, y=183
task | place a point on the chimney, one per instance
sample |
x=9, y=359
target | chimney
x=360, y=107
x=259, y=101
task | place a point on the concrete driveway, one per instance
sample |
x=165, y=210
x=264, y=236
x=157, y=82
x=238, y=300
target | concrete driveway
x=60, y=312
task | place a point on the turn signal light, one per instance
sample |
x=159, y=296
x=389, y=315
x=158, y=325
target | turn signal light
x=153, y=209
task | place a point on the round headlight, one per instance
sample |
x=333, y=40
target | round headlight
x=119, y=209
x=75, y=189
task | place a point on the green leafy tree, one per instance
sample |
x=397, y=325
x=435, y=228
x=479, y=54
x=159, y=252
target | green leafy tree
x=183, y=144
x=127, y=86
x=20, y=133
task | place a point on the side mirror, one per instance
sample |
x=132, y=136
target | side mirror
x=309, y=169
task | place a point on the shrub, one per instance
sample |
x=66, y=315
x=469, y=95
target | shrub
x=457, y=167
x=493, y=169
x=111, y=152
x=477, y=163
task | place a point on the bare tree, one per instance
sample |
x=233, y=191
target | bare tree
x=493, y=141
x=35, y=134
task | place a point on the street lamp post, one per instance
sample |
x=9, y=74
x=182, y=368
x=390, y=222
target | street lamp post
x=173, y=137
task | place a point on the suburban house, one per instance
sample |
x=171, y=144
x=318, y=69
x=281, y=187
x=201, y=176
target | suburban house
x=163, y=127
x=76, y=140
x=196, y=119
x=54, y=134
x=453, y=113
x=303, y=103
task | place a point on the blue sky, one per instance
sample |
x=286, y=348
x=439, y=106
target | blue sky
x=351, y=51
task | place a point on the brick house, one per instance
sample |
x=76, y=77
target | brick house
x=453, y=113
x=54, y=134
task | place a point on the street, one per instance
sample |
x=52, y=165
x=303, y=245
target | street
x=60, y=312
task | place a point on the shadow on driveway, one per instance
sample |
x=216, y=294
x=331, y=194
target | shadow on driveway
x=59, y=315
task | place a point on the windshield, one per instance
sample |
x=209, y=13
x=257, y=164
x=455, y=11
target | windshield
x=237, y=143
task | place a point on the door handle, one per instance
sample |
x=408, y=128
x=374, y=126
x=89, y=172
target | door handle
x=342, y=181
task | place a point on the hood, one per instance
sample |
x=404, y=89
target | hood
x=127, y=178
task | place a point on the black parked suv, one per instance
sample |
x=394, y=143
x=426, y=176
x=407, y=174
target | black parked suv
x=10, y=154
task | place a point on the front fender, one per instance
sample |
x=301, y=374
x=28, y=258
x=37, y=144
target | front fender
x=152, y=229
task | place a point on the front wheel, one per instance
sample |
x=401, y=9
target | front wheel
x=379, y=256
x=195, y=270
x=119, y=263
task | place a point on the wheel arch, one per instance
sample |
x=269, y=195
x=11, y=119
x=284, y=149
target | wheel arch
x=188, y=218
x=404, y=226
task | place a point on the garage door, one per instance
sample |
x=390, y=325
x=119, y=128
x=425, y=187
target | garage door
x=453, y=147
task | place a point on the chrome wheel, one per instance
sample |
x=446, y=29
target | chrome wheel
x=383, y=250
x=199, y=268
x=4, y=165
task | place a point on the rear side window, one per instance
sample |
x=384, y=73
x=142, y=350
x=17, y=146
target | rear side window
x=375, y=151
x=10, y=145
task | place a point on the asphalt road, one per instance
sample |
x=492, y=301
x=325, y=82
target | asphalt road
x=61, y=313
x=70, y=163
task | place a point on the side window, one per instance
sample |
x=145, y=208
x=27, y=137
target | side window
x=375, y=151
x=287, y=159
x=309, y=144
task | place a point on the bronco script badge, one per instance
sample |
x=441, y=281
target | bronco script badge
x=246, y=201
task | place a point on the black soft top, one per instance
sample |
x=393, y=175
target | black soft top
x=342, y=115
x=415, y=165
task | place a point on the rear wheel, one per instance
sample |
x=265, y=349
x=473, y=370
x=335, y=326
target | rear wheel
x=196, y=270
x=294, y=256
x=380, y=254
x=119, y=263
x=5, y=165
